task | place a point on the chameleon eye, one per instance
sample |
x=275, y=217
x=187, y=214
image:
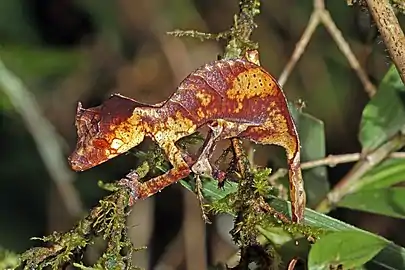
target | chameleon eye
x=101, y=144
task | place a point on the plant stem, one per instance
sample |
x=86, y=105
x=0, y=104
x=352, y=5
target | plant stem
x=350, y=182
x=240, y=33
x=333, y=160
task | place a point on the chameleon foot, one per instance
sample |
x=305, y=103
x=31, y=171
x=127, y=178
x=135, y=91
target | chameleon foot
x=131, y=182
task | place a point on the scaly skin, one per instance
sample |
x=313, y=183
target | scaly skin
x=238, y=95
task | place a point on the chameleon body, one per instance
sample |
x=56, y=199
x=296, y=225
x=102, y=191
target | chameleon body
x=236, y=95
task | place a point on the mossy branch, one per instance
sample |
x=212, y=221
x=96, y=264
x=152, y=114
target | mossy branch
x=106, y=220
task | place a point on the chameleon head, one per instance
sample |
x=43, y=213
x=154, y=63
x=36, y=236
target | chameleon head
x=105, y=131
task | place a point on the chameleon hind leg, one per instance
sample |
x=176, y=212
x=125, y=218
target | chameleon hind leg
x=219, y=129
x=203, y=167
x=290, y=142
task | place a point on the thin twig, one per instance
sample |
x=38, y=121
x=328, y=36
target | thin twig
x=333, y=160
x=321, y=15
x=196, y=34
x=299, y=48
x=349, y=183
x=48, y=142
x=348, y=53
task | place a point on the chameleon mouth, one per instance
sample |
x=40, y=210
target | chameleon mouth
x=78, y=163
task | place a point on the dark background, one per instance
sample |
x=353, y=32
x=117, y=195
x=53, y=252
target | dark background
x=66, y=51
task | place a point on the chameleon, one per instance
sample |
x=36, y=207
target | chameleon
x=235, y=98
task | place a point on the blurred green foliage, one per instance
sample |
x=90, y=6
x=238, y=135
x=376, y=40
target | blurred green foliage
x=384, y=115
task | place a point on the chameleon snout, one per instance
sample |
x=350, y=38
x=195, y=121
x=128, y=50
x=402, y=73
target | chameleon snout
x=78, y=162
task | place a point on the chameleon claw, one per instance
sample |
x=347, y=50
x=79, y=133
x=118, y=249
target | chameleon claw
x=220, y=176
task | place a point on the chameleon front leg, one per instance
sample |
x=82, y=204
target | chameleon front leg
x=146, y=189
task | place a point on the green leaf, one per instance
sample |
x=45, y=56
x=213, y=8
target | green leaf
x=391, y=257
x=210, y=191
x=384, y=115
x=388, y=173
x=389, y=201
x=5, y=104
x=347, y=249
x=312, y=136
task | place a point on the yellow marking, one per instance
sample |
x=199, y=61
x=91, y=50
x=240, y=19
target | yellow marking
x=252, y=83
x=116, y=144
x=253, y=56
x=232, y=129
x=239, y=108
x=173, y=128
x=200, y=113
x=272, y=108
x=185, y=122
x=128, y=134
x=203, y=97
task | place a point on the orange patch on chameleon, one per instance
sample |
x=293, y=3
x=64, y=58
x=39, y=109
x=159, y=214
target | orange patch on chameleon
x=100, y=143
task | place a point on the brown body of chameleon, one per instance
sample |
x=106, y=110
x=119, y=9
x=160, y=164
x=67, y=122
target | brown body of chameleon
x=235, y=98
